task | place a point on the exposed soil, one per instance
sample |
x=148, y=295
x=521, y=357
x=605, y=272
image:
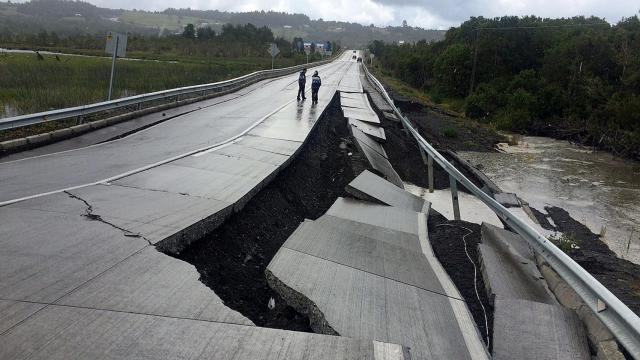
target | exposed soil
x=542, y=219
x=446, y=129
x=620, y=276
x=232, y=259
x=405, y=157
x=446, y=238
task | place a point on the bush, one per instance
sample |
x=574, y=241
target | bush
x=450, y=133
x=436, y=96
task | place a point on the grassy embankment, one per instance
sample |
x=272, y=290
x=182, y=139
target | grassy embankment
x=442, y=122
x=453, y=106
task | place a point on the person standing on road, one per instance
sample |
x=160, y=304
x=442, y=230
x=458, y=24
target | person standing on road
x=316, y=82
x=302, y=80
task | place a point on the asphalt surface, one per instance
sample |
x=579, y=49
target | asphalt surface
x=199, y=129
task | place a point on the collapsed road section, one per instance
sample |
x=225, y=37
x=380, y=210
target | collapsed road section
x=81, y=277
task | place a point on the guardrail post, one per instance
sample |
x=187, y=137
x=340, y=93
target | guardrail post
x=430, y=172
x=427, y=160
x=454, y=197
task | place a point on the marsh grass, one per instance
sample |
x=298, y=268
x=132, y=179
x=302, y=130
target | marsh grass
x=29, y=85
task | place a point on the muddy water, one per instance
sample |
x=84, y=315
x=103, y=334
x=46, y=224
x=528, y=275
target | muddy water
x=597, y=189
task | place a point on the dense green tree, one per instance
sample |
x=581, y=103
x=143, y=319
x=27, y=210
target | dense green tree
x=189, y=31
x=569, y=77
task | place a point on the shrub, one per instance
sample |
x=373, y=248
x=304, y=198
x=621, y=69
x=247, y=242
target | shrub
x=450, y=133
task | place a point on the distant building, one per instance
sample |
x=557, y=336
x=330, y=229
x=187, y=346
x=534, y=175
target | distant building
x=401, y=42
x=287, y=26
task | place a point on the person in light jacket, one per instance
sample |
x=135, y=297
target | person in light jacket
x=316, y=82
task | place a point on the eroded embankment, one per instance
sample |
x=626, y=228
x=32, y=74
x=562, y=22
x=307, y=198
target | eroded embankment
x=232, y=259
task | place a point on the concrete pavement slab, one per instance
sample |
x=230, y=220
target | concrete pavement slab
x=365, y=139
x=371, y=187
x=283, y=147
x=153, y=283
x=353, y=103
x=375, y=131
x=66, y=332
x=252, y=153
x=152, y=207
x=359, y=304
x=363, y=253
x=377, y=161
x=193, y=182
x=44, y=255
x=397, y=238
x=14, y=312
x=293, y=123
x=374, y=214
x=353, y=96
x=530, y=330
x=229, y=165
x=505, y=240
x=359, y=114
x=509, y=276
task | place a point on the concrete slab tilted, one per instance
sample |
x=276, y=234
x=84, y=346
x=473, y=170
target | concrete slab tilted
x=364, y=139
x=370, y=288
x=371, y=187
x=377, y=161
x=531, y=330
x=372, y=130
x=61, y=332
x=528, y=321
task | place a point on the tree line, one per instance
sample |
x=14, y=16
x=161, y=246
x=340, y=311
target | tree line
x=576, y=78
x=233, y=41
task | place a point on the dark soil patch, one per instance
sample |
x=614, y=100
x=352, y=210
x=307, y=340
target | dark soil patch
x=543, y=219
x=446, y=238
x=405, y=157
x=453, y=133
x=620, y=276
x=232, y=259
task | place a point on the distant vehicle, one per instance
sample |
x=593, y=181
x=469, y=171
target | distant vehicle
x=359, y=59
x=354, y=51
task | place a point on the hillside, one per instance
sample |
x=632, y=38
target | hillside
x=76, y=17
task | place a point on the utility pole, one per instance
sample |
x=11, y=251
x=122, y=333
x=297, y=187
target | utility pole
x=475, y=62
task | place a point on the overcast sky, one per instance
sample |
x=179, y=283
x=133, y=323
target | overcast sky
x=437, y=14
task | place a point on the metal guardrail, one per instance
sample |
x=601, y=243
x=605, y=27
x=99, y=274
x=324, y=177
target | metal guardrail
x=623, y=323
x=80, y=111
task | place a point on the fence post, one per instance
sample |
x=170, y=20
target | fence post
x=454, y=197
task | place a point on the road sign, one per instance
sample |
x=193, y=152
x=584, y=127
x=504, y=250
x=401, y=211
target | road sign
x=116, y=46
x=273, y=50
x=116, y=40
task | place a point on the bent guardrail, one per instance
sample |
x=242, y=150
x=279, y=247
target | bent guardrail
x=623, y=323
x=202, y=90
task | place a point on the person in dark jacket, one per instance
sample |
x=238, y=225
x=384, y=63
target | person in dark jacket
x=302, y=80
x=316, y=82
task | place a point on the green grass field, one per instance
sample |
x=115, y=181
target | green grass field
x=29, y=85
